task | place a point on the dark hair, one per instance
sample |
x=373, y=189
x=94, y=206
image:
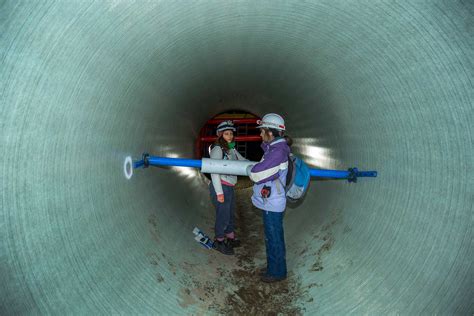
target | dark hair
x=278, y=133
x=220, y=141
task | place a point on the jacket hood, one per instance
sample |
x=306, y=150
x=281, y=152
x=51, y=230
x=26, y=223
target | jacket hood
x=278, y=143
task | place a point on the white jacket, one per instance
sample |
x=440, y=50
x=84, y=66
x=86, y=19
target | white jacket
x=217, y=153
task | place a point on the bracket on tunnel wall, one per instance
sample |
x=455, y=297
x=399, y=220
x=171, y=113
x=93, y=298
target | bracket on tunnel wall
x=354, y=173
x=146, y=160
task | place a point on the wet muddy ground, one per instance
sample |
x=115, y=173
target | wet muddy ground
x=230, y=285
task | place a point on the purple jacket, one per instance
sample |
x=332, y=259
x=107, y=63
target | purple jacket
x=271, y=171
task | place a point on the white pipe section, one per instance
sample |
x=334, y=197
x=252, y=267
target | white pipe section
x=231, y=167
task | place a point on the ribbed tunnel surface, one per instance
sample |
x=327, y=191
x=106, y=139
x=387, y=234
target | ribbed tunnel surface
x=381, y=85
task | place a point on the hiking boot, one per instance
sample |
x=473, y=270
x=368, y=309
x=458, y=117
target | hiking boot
x=223, y=247
x=271, y=279
x=233, y=242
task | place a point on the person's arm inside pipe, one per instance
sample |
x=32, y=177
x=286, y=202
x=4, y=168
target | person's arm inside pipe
x=268, y=168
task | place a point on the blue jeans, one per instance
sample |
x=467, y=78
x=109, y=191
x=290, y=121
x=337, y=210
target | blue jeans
x=225, y=220
x=275, y=243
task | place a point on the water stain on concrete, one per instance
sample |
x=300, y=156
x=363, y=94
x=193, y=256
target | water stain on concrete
x=153, y=258
x=153, y=221
x=159, y=278
x=326, y=236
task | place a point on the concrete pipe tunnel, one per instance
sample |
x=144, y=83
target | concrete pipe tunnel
x=379, y=85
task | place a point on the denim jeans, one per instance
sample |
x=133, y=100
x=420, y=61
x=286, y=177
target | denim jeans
x=275, y=243
x=225, y=220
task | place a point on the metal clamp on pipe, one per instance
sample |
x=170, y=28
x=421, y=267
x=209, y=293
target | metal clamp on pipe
x=354, y=173
x=146, y=160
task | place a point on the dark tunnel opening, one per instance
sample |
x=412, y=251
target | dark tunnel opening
x=247, y=134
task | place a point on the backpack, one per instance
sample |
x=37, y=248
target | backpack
x=297, y=179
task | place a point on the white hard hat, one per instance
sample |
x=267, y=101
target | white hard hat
x=224, y=126
x=272, y=120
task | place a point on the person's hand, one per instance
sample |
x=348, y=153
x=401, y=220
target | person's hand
x=248, y=170
x=220, y=198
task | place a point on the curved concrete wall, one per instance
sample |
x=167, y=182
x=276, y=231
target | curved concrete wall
x=382, y=85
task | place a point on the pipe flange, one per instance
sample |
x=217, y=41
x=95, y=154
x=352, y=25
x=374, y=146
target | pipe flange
x=353, y=172
x=146, y=160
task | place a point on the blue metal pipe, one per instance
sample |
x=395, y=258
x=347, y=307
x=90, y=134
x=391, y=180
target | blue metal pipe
x=175, y=162
x=138, y=164
x=352, y=174
x=337, y=174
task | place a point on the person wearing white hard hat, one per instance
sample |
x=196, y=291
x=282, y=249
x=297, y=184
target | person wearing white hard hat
x=269, y=193
x=222, y=190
